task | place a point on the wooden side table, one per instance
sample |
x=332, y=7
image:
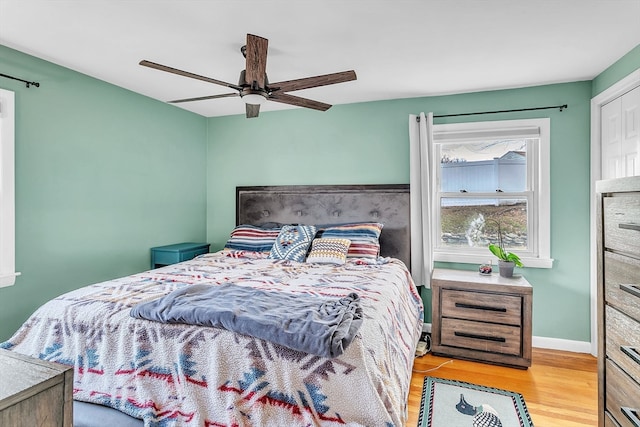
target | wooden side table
x=34, y=392
x=172, y=254
x=483, y=318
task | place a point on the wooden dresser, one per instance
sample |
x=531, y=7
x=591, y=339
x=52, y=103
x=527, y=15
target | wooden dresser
x=618, y=254
x=34, y=392
x=483, y=318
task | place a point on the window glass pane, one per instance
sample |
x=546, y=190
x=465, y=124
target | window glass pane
x=472, y=222
x=484, y=166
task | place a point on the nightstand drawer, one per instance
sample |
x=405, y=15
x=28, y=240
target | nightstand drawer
x=172, y=254
x=502, y=339
x=486, y=307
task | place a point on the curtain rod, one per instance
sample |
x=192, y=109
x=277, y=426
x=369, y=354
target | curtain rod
x=28, y=83
x=561, y=107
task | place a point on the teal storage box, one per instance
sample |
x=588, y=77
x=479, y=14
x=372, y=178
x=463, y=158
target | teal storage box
x=172, y=254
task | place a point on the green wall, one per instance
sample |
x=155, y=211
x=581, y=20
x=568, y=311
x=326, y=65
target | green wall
x=102, y=175
x=368, y=144
x=618, y=70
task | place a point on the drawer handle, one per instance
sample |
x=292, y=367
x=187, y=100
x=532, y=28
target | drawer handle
x=480, y=307
x=632, y=289
x=632, y=414
x=479, y=337
x=635, y=227
x=631, y=352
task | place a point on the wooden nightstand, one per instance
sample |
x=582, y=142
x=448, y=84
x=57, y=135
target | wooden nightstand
x=34, y=392
x=483, y=318
x=172, y=254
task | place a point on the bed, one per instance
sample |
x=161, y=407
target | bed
x=132, y=371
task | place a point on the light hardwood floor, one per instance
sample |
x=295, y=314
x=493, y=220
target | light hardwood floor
x=560, y=388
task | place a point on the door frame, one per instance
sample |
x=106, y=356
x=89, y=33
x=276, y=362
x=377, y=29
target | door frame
x=621, y=87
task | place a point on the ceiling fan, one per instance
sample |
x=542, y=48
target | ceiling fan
x=253, y=86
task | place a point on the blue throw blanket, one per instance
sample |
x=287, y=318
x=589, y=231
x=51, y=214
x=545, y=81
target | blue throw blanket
x=321, y=326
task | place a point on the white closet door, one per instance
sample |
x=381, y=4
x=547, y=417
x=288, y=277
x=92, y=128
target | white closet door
x=620, y=136
x=630, y=132
x=611, y=139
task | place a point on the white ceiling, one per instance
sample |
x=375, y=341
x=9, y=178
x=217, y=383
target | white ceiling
x=399, y=49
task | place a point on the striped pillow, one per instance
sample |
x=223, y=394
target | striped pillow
x=293, y=242
x=251, y=238
x=329, y=251
x=364, y=238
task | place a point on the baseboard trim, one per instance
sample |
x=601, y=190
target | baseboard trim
x=545, y=342
x=562, y=344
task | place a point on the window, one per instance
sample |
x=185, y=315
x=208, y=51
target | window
x=490, y=175
x=7, y=211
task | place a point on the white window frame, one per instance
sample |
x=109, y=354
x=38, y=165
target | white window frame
x=539, y=212
x=7, y=189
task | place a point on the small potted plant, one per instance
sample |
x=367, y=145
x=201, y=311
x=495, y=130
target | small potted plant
x=506, y=260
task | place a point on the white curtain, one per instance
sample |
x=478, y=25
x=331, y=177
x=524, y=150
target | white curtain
x=420, y=153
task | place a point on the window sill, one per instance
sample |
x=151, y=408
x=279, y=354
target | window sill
x=8, y=279
x=481, y=259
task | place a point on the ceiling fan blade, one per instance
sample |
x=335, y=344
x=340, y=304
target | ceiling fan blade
x=161, y=67
x=203, y=98
x=256, y=66
x=285, y=98
x=252, y=110
x=309, y=82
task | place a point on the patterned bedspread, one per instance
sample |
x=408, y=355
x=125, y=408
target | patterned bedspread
x=182, y=375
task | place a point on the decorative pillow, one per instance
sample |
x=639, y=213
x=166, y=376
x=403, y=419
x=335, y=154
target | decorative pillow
x=251, y=238
x=364, y=238
x=293, y=242
x=329, y=251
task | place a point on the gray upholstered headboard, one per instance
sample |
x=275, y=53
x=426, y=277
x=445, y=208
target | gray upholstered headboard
x=333, y=204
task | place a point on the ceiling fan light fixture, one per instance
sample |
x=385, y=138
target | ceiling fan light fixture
x=254, y=99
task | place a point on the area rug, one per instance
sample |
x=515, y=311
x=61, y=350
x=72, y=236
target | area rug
x=448, y=403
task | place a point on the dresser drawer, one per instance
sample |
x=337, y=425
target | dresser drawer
x=622, y=283
x=622, y=223
x=485, y=307
x=623, y=341
x=502, y=339
x=610, y=422
x=623, y=396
